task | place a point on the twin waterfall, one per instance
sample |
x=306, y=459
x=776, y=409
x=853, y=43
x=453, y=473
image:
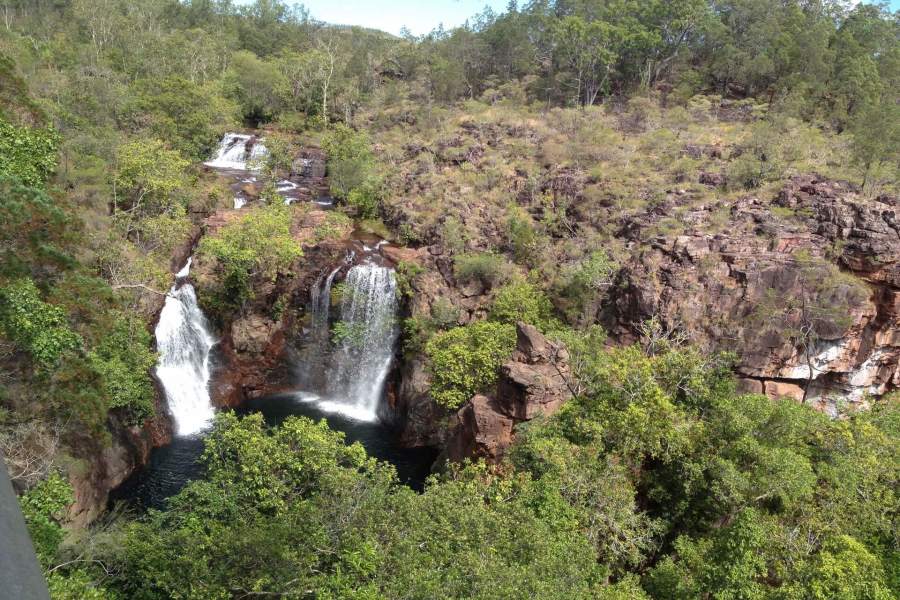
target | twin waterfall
x=343, y=371
x=183, y=341
x=361, y=360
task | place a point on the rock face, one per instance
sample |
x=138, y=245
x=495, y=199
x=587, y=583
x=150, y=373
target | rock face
x=250, y=356
x=532, y=383
x=707, y=285
x=108, y=467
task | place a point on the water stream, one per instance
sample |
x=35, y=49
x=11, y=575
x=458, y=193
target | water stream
x=240, y=156
x=183, y=340
x=340, y=378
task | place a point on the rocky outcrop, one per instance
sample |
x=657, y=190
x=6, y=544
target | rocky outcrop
x=533, y=382
x=109, y=466
x=708, y=284
x=251, y=353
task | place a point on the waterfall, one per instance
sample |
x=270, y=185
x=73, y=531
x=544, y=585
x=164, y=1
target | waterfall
x=312, y=362
x=234, y=154
x=183, y=340
x=360, y=363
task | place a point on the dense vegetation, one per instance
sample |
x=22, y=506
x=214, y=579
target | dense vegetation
x=658, y=480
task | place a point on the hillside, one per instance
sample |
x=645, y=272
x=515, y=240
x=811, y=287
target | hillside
x=584, y=299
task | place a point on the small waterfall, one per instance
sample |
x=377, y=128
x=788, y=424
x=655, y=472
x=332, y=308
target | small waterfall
x=183, y=340
x=234, y=154
x=312, y=362
x=360, y=363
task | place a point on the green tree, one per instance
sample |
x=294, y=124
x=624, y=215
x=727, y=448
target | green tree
x=148, y=179
x=465, y=360
x=27, y=154
x=590, y=50
x=258, y=245
x=37, y=327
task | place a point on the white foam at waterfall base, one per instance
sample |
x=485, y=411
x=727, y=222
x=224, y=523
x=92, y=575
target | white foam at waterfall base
x=232, y=153
x=183, y=340
x=360, y=364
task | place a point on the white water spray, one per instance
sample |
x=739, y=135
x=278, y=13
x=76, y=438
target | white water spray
x=233, y=153
x=183, y=340
x=360, y=363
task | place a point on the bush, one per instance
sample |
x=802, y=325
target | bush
x=350, y=160
x=34, y=325
x=27, y=154
x=42, y=507
x=523, y=301
x=524, y=241
x=490, y=268
x=258, y=245
x=464, y=360
x=365, y=200
x=124, y=359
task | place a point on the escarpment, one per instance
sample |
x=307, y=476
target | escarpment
x=709, y=286
x=744, y=284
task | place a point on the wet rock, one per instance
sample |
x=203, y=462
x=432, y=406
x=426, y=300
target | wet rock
x=251, y=334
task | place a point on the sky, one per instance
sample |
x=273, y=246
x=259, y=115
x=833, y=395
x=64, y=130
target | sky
x=419, y=16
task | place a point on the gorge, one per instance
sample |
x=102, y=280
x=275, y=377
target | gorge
x=578, y=300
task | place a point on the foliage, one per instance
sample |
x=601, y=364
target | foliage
x=465, y=360
x=32, y=226
x=258, y=244
x=37, y=327
x=405, y=274
x=27, y=154
x=124, y=360
x=42, y=507
x=279, y=492
x=351, y=169
x=487, y=267
x=335, y=226
x=190, y=116
x=523, y=301
x=149, y=176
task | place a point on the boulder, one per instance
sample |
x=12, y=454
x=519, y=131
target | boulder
x=531, y=383
x=481, y=431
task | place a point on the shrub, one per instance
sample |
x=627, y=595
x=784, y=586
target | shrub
x=365, y=200
x=405, y=273
x=34, y=325
x=124, y=359
x=27, y=154
x=335, y=226
x=488, y=267
x=464, y=360
x=523, y=239
x=523, y=301
x=258, y=245
x=350, y=160
x=42, y=507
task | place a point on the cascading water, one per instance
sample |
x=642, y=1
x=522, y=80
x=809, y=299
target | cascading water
x=233, y=152
x=360, y=363
x=183, y=340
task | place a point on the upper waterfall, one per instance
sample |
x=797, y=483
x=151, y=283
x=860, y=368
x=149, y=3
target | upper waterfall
x=238, y=151
x=183, y=340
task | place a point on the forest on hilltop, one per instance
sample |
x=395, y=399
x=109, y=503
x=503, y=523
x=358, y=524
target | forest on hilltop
x=540, y=149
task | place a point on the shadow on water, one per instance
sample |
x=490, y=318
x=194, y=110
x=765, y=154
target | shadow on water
x=172, y=466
